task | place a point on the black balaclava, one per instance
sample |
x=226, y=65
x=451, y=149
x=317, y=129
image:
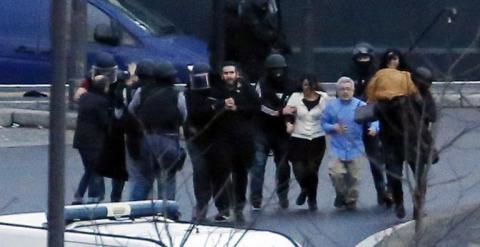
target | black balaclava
x=277, y=78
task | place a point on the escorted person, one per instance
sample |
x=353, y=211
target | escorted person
x=93, y=121
x=346, y=143
x=236, y=103
x=307, y=141
x=112, y=162
x=363, y=69
x=270, y=133
x=396, y=97
x=160, y=152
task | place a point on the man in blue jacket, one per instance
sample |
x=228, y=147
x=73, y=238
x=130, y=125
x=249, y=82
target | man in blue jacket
x=345, y=142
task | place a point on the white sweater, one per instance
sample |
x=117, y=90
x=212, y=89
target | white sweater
x=307, y=123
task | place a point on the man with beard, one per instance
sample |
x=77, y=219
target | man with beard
x=235, y=104
x=270, y=132
x=364, y=67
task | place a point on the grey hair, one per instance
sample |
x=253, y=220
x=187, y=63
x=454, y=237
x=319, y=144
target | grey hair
x=345, y=79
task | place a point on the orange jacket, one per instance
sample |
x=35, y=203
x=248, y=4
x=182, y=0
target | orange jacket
x=389, y=83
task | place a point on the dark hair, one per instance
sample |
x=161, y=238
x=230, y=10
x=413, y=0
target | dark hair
x=312, y=82
x=230, y=63
x=390, y=54
x=238, y=69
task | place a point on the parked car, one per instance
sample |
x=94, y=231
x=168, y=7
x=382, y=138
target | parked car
x=143, y=223
x=130, y=32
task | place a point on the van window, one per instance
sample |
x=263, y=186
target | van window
x=96, y=17
x=147, y=19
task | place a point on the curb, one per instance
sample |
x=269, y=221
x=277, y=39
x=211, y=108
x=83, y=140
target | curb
x=376, y=238
x=21, y=112
x=32, y=118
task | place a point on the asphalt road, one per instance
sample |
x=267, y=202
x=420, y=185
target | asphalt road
x=454, y=184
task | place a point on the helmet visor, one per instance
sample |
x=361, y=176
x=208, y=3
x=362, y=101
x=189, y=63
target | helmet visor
x=200, y=81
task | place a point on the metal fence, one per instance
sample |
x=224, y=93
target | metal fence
x=450, y=47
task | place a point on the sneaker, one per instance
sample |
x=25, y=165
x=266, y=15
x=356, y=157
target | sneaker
x=400, y=211
x=283, y=203
x=302, y=197
x=339, y=201
x=256, y=206
x=222, y=217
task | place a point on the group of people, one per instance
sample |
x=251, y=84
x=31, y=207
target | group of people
x=128, y=127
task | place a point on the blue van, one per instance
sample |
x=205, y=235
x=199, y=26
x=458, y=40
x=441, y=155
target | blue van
x=127, y=30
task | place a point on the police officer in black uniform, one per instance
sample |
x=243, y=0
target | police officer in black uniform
x=198, y=133
x=270, y=133
x=363, y=68
x=160, y=152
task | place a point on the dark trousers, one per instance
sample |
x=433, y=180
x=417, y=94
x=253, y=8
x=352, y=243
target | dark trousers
x=399, y=124
x=306, y=170
x=117, y=189
x=236, y=156
x=373, y=150
x=208, y=178
x=90, y=179
x=159, y=155
x=263, y=144
x=394, y=168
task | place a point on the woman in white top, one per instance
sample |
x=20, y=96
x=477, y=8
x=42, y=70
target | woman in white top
x=307, y=141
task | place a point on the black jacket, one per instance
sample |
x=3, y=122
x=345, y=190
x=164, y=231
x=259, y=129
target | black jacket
x=361, y=75
x=200, y=115
x=235, y=126
x=274, y=97
x=158, y=111
x=93, y=121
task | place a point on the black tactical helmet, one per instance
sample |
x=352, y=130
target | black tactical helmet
x=275, y=61
x=104, y=65
x=104, y=60
x=200, y=76
x=424, y=73
x=362, y=48
x=145, y=68
x=164, y=69
x=201, y=68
